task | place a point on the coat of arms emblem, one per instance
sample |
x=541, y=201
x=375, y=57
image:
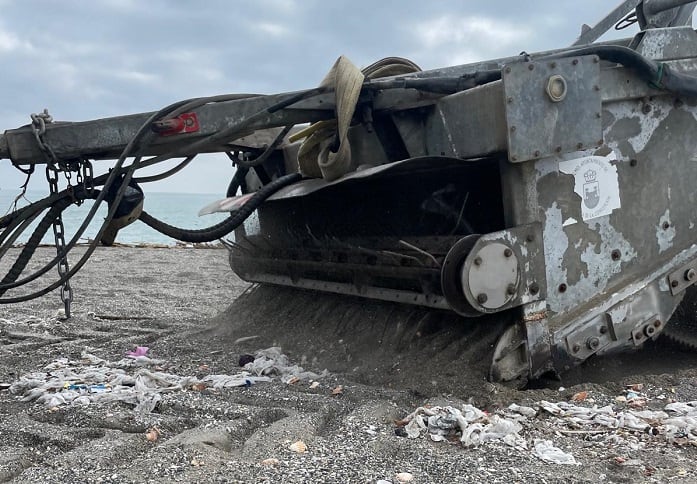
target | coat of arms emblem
x=591, y=189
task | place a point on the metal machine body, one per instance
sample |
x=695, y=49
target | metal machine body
x=558, y=189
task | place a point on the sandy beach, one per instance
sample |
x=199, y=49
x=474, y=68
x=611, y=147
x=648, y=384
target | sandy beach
x=341, y=406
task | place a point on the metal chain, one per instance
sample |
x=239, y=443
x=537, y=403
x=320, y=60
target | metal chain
x=39, y=122
x=59, y=236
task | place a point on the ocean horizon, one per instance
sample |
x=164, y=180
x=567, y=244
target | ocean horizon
x=178, y=209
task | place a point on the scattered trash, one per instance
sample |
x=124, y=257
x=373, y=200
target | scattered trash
x=139, y=351
x=244, y=359
x=244, y=339
x=272, y=362
x=314, y=384
x=404, y=477
x=6, y=386
x=134, y=380
x=546, y=451
x=293, y=380
x=580, y=396
x=522, y=410
x=473, y=426
x=338, y=390
x=271, y=461
x=298, y=447
x=196, y=462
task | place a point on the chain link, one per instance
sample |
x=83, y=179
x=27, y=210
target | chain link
x=53, y=166
x=38, y=123
x=59, y=236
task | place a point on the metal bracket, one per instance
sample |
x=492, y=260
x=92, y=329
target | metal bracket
x=541, y=122
x=682, y=278
x=648, y=329
x=591, y=338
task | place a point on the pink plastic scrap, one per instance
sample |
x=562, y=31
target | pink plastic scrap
x=140, y=351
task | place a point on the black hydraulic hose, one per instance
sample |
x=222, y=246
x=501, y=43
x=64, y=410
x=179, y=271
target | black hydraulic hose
x=118, y=170
x=161, y=176
x=33, y=243
x=229, y=224
x=259, y=160
x=142, y=132
x=23, y=212
x=12, y=234
x=237, y=180
x=657, y=74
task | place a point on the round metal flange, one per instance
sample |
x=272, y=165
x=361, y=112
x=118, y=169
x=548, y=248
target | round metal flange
x=450, y=280
x=490, y=278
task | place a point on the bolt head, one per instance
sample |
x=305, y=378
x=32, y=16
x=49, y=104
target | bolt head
x=477, y=261
x=511, y=289
x=534, y=288
x=603, y=329
x=576, y=348
x=690, y=275
x=482, y=298
x=593, y=343
x=674, y=283
x=507, y=252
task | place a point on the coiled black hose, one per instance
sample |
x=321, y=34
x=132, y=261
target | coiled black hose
x=223, y=228
x=33, y=242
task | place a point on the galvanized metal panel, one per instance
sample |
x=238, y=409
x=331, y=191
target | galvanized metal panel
x=668, y=43
x=468, y=124
x=537, y=125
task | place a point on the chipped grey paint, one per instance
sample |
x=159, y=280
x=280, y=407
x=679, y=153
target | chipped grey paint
x=556, y=244
x=599, y=266
x=665, y=236
x=625, y=113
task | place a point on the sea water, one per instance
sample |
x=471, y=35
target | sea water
x=178, y=209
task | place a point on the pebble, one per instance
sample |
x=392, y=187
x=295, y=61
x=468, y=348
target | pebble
x=404, y=477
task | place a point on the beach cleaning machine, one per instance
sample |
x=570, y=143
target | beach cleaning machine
x=554, y=187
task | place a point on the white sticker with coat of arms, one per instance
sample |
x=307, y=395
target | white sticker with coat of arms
x=596, y=183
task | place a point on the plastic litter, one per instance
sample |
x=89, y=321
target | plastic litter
x=469, y=426
x=273, y=362
x=473, y=426
x=134, y=379
x=139, y=351
x=546, y=451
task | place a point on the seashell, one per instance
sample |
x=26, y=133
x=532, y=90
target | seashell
x=298, y=447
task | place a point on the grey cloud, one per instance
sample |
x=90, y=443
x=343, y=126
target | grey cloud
x=86, y=60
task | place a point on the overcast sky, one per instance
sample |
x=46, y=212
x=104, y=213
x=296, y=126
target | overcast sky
x=92, y=59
